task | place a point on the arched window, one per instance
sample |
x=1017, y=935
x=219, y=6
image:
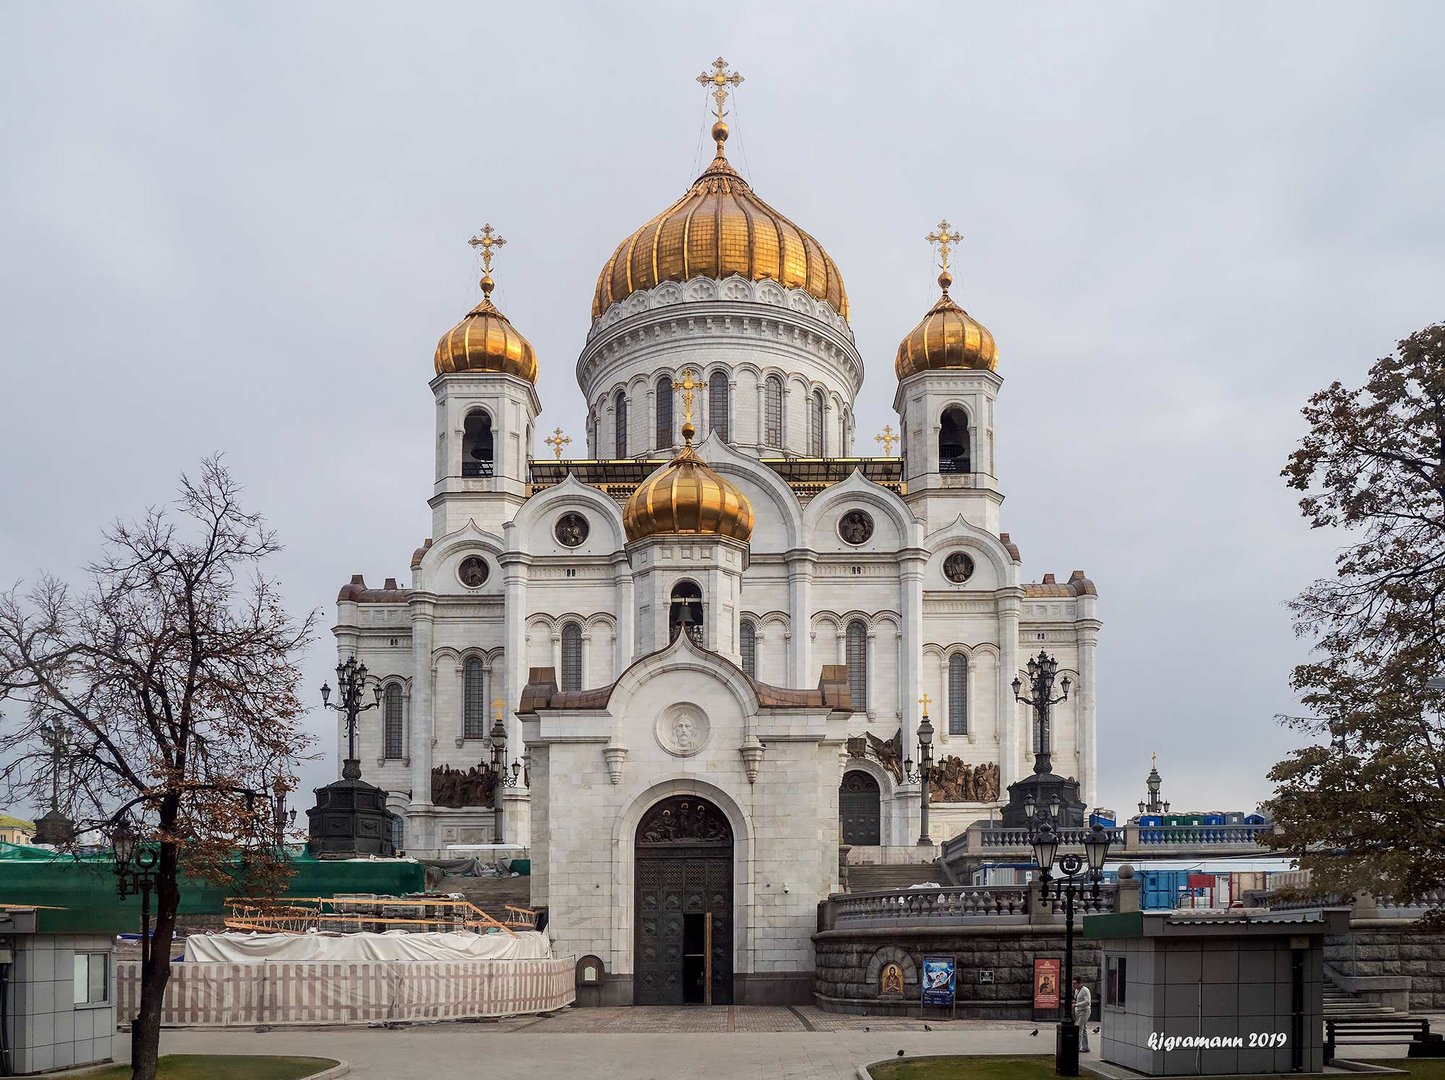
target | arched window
x=815, y=425
x=572, y=656
x=477, y=444
x=842, y=430
x=953, y=453
x=619, y=414
x=391, y=723
x=858, y=664
x=592, y=432
x=773, y=412
x=717, y=404
x=748, y=647
x=685, y=611
x=474, y=699
x=664, y=411
x=958, y=694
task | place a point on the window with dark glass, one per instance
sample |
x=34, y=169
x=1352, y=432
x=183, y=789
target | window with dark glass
x=953, y=455
x=717, y=404
x=474, y=699
x=958, y=694
x=391, y=707
x=664, y=412
x=773, y=412
x=857, y=643
x=477, y=444
x=619, y=413
x=572, y=656
x=748, y=647
x=815, y=425
x=1115, y=982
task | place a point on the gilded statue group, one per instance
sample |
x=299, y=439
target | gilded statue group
x=950, y=780
x=454, y=788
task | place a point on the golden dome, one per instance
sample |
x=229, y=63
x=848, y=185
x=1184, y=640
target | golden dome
x=686, y=498
x=486, y=340
x=719, y=228
x=948, y=338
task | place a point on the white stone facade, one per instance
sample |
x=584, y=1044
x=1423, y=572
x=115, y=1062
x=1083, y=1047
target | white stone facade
x=593, y=616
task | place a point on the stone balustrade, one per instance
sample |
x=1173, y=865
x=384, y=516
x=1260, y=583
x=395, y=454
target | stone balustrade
x=968, y=905
x=1125, y=841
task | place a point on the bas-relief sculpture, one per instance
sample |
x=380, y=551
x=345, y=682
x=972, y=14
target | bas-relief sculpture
x=456, y=788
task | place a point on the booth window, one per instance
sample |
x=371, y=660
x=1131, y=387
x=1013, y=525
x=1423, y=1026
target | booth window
x=1114, y=983
x=92, y=978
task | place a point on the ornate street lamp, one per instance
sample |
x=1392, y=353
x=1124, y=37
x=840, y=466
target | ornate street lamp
x=1042, y=670
x=135, y=872
x=498, y=737
x=1152, y=805
x=1077, y=873
x=350, y=682
x=1052, y=797
x=281, y=818
x=925, y=766
x=53, y=828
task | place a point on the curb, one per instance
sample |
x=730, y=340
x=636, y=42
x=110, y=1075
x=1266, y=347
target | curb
x=341, y=1068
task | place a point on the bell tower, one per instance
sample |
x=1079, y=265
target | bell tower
x=486, y=410
x=948, y=386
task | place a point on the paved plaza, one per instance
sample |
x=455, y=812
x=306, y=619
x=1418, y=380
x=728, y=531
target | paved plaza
x=641, y=1043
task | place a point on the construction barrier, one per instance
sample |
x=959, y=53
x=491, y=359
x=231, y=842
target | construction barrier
x=351, y=991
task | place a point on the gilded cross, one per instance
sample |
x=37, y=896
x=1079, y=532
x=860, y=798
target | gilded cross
x=556, y=441
x=487, y=240
x=925, y=701
x=500, y=706
x=720, y=79
x=945, y=238
x=686, y=389
x=887, y=439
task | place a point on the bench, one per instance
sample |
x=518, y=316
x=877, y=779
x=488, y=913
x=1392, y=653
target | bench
x=1384, y=1030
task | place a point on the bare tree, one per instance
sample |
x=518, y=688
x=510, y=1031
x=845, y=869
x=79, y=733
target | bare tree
x=173, y=677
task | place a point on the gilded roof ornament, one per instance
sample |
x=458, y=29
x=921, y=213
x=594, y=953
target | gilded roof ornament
x=486, y=340
x=943, y=239
x=720, y=79
x=947, y=338
x=686, y=388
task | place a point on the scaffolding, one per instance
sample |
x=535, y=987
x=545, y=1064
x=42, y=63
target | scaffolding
x=366, y=913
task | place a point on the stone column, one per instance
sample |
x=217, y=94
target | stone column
x=420, y=823
x=1086, y=736
x=626, y=615
x=870, y=678
x=1010, y=739
x=514, y=623
x=910, y=661
x=586, y=661
x=800, y=619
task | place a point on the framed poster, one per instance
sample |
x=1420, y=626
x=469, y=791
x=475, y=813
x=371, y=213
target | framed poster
x=1047, y=989
x=939, y=980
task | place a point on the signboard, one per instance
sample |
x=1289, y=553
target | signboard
x=938, y=981
x=1047, y=977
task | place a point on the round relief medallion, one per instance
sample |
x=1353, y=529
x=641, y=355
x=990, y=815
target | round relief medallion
x=958, y=567
x=683, y=730
x=474, y=571
x=571, y=530
x=856, y=527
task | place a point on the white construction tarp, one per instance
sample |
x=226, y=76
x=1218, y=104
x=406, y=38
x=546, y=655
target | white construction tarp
x=393, y=945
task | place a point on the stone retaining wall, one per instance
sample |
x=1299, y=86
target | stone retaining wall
x=849, y=965
x=1380, y=952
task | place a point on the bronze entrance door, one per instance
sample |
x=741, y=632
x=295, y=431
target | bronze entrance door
x=859, y=810
x=683, y=920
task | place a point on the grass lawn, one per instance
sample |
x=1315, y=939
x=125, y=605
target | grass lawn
x=1041, y=1068
x=222, y=1067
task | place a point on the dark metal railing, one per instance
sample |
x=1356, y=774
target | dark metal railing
x=477, y=468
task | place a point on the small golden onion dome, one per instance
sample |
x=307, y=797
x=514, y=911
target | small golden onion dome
x=686, y=498
x=720, y=228
x=948, y=338
x=486, y=340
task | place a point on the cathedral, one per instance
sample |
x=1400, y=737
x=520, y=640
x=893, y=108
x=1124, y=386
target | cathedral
x=684, y=670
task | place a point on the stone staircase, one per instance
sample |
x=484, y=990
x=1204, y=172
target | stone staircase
x=491, y=894
x=1341, y=1004
x=871, y=878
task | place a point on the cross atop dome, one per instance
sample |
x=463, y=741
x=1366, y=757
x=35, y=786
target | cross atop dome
x=944, y=238
x=486, y=240
x=720, y=79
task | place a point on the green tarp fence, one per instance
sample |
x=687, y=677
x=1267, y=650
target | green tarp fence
x=83, y=887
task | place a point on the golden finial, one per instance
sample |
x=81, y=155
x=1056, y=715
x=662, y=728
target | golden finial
x=686, y=388
x=944, y=238
x=925, y=701
x=556, y=441
x=887, y=438
x=720, y=79
x=500, y=706
x=487, y=240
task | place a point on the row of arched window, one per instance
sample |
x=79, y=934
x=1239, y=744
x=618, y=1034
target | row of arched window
x=719, y=405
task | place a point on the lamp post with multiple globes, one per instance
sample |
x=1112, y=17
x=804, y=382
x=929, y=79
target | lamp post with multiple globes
x=350, y=682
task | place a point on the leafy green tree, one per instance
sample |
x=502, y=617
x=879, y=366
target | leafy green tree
x=1365, y=809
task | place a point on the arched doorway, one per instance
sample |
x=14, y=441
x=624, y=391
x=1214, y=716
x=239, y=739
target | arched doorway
x=859, y=802
x=683, y=927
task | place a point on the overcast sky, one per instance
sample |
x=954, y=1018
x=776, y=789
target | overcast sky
x=243, y=228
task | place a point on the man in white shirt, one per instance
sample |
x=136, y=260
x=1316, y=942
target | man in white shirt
x=1083, y=1006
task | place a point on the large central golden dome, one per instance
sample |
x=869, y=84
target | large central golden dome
x=717, y=229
